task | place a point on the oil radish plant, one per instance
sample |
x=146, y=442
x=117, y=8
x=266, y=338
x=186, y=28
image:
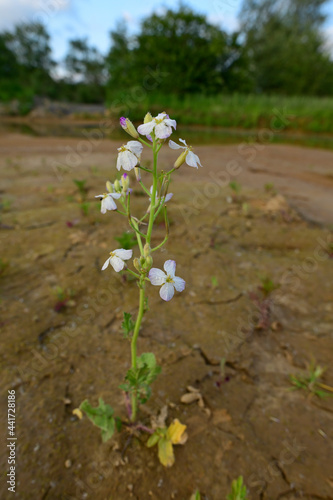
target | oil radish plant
x=144, y=369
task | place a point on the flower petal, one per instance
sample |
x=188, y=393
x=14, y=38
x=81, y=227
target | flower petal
x=168, y=197
x=157, y=276
x=174, y=145
x=117, y=263
x=146, y=128
x=135, y=147
x=123, y=254
x=116, y=196
x=108, y=204
x=192, y=160
x=162, y=131
x=183, y=141
x=170, y=267
x=128, y=160
x=167, y=292
x=106, y=263
x=171, y=123
x=179, y=284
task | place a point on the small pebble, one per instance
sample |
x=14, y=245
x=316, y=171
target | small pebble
x=68, y=464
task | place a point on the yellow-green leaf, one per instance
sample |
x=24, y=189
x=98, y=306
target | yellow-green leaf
x=165, y=452
x=176, y=432
x=153, y=440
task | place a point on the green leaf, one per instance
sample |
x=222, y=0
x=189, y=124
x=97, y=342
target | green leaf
x=102, y=417
x=127, y=325
x=154, y=438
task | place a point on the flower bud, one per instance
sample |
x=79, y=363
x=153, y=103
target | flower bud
x=125, y=182
x=146, y=250
x=109, y=186
x=128, y=126
x=136, y=264
x=181, y=159
x=149, y=262
x=137, y=173
x=117, y=186
x=148, y=118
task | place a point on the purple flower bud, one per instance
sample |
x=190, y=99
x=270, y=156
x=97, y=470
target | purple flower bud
x=122, y=121
x=125, y=176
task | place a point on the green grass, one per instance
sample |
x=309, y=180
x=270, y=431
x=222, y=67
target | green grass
x=306, y=114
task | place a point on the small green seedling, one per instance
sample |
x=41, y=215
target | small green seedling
x=310, y=381
x=5, y=205
x=3, y=266
x=81, y=185
x=269, y=188
x=196, y=495
x=85, y=208
x=238, y=490
x=64, y=298
x=215, y=282
x=235, y=187
x=127, y=240
x=268, y=285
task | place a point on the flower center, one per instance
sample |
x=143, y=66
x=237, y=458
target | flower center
x=159, y=121
x=169, y=279
x=105, y=195
x=111, y=254
x=122, y=149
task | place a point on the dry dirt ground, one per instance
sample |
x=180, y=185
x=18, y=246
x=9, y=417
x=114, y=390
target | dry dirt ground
x=251, y=423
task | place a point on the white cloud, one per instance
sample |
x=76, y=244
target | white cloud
x=16, y=11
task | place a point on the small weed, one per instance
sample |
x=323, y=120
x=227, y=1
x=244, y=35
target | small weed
x=3, y=266
x=64, y=299
x=196, y=495
x=269, y=188
x=215, y=282
x=126, y=240
x=310, y=381
x=238, y=490
x=267, y=286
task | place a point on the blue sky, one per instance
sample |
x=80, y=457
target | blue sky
x=67, y=19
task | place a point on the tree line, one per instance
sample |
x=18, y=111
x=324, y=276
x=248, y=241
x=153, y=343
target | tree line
x=279, y=49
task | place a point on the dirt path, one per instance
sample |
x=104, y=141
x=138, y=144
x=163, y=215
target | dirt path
x=251, y=424
x=303, y=175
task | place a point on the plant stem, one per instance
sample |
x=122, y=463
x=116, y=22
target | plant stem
x=142, y=281
x=153, y=195
x=134, y=342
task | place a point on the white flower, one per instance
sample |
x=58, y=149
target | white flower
x=167, y=279
x=129, y=155
x=117, y=258
x=161, y=125
x=108, y=202
x=191, y=159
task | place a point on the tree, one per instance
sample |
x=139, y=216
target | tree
x=192, y=55
x=85, y=63
x=31, y=44
x=286, y=46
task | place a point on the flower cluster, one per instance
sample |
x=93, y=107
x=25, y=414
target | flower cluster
x=129, y=157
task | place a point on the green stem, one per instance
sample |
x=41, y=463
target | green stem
x=167, y=231
x=145, y=142
x=133, y=273
x=144, y=188
x=138, y=237
x=134, y=345
x=153, y=195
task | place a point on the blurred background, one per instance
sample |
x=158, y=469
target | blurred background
x=221, y=63
x=250, y=84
